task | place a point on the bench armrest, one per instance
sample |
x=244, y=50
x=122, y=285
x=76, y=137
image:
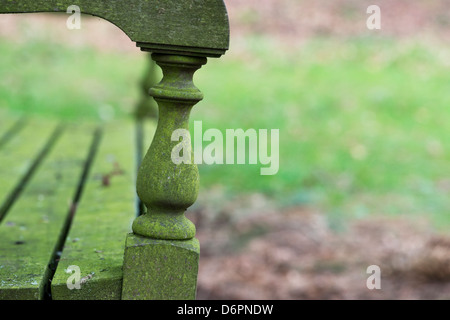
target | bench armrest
x=164, y=26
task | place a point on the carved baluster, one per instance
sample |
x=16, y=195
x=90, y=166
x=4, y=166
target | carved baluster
x=168, y=189
x=163, y=251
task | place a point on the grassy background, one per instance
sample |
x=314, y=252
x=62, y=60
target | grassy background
x=363, y=122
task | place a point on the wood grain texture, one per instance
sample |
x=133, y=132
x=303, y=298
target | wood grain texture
x=32, y=228
x=103, y=218
x=190, y=26
x=18, y=156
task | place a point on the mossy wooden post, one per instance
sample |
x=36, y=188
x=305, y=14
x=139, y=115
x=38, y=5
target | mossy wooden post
x=166, y=188
x=163, y=242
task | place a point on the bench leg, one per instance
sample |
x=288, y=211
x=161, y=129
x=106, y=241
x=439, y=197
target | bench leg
x=161, y=256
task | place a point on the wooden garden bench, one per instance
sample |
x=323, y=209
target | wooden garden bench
x=72, y=225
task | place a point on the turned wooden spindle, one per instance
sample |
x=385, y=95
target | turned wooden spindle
x=168, y=189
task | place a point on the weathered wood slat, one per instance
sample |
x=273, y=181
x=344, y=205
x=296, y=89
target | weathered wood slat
x=18, y=157
x=32, y=228
x=103, y=218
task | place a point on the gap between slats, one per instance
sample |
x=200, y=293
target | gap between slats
x=57, y=252
x=17, y=190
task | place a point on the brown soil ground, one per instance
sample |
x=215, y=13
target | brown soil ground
x=251, y=252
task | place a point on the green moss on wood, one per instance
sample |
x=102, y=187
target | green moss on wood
x=102, y=220
x=160, y=269
x=189, y=26
x=31, y=229
x=168, y=189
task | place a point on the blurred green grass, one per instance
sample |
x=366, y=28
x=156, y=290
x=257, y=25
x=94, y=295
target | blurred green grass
x=67, y=82
x=364, y=122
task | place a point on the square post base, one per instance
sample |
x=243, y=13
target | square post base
x=160, y=269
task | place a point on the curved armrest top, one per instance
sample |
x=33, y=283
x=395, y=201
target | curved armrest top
x=194, y=27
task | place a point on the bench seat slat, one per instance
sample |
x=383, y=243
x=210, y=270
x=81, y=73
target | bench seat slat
x=18, y=155
x=103, y=218
x=31, y=230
